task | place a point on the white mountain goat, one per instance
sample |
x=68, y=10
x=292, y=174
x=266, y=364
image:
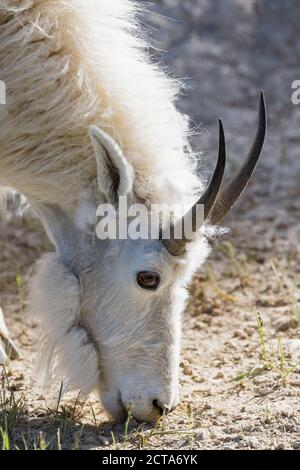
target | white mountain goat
x=89, y=118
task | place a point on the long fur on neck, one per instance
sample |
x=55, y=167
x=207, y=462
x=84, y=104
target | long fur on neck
x=71, y=63
x=64, y=345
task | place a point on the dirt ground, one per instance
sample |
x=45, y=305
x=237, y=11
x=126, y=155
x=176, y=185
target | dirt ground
x=240, y=369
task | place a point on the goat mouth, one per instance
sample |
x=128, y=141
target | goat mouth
x=122, y=413
x=114, y=407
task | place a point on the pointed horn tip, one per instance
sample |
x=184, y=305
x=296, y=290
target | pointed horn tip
x=262, y=107
x=221, y=130
x=262, y=99
x=221, y=127
x=262, y=120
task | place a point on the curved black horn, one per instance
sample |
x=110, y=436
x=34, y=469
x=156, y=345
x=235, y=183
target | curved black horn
x=176, y=246
x=235, y=186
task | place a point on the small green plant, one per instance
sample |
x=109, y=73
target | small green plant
x=272, y=359
x=190, y=417
x=4, y=439
x=114, y=440
x=20, y=286
x=42, y=444
x=268, y=414
x=127, y=422
x=11, y=408
x=161, y=429
x=281, y=357
x=66, y=419
x=257, y=370
x=60, y=394
x=58, y=439
x=262, y=336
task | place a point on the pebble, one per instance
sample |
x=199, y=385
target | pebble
x=263, y=391
x=219, y=375
x=187, y=370
x=295, y=383
x=239, y=334
x=252, y=442
x=203, y=435
x=199, y=380
x=104, y=441
x=285, y=324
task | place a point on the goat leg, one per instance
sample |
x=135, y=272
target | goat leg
x=8, y=349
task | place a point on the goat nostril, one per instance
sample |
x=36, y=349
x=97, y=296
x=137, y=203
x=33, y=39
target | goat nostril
x=162, y=409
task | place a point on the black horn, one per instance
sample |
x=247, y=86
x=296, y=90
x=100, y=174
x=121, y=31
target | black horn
x=235, y=186
x=176, y=246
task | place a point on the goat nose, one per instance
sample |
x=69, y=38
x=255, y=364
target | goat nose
x=157, y=406
x=148, y=411
x=163, y=409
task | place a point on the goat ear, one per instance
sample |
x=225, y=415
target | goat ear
x=114, y=174
x=60, y=228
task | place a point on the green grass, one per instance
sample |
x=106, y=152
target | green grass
x=160, y=429
x=12, y=409
x=20, y=282
x=61, y=425
x=272, y=359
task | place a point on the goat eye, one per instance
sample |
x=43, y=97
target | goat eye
x=148, y=280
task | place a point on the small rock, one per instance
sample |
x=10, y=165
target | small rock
x=284, y=324
x=263, y=391
x=104, y=440
x=219, y=375
x=249, y=330
x=199, y=380
x=202, y=435
x=207, y=309
x=294, y=383
x=252, y=442
x=187, y=370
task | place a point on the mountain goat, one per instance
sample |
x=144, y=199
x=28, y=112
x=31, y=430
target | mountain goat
x=90, y=119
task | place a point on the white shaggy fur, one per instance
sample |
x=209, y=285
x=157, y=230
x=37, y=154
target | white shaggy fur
x=71, y=66
x=72, y=63
x=65, y=346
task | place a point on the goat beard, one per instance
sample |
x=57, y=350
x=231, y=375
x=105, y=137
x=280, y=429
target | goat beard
x=65, y=347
